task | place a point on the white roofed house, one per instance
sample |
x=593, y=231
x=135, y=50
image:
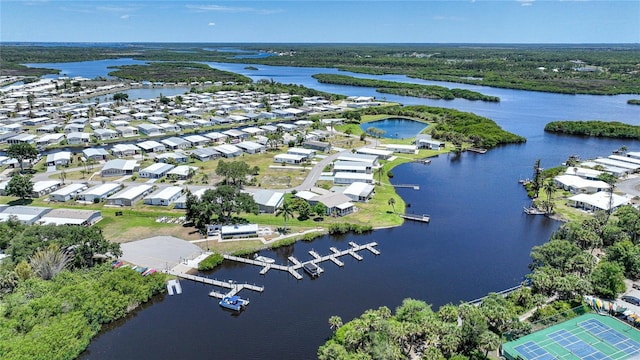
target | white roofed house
x=268, y=200
x=197, y=140
x=96, y=154
x=22, y=138
x=317, y=145
x=58, y=158
x=44, y=187
x=289, y=158
x=350, y=177
x=71, y=217
x=164, y=197
x=360, y=192
x=381, y=154
x=71, y=128
x=402, y=149
x=105, y=134
x=352, y=167
x=78, y=138
x=254, y=131
x=337, y=204
x=216, y=137
x=372, y=160
x=205, y=154
x=98, y=192
x=155, y=171
x=307, y=153
x=129, y=195
x=584, y=173
x=49, y=139
x=251, y=147
x=176, y=143
x=178, y=157
x=578, y=185
x=169, y=127
x=236, y=135
x=68, y=192
x=121, y=150
x=25, y=214
x=602, y=200
x=228, y=150
x=182, y=172
x=151, y=146
x=126, y=131
x=119, y=167
x=150, y=129
x=424, y=141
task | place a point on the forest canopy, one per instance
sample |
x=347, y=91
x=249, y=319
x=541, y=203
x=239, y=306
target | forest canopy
x=613, y=129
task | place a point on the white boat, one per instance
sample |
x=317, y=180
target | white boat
x=264, y=259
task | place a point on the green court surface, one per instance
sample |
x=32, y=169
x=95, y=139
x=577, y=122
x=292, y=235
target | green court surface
x=588, y=337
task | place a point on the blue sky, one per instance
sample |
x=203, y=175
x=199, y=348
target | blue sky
x=417, y=21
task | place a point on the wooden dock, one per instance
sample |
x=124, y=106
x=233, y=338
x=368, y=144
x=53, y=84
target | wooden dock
x=477, y=150
x=317, y=259
x=233, y=287
x=423, y=218
x=408, y=186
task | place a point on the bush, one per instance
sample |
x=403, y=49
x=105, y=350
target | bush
x=210, y=262
x=343, y=228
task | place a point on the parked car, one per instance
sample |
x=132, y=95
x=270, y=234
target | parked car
x=631, y=299
x=636, y=286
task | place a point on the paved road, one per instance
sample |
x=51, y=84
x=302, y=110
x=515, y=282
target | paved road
x=630, y=186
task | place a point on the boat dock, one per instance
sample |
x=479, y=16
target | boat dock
x=477, y=150
x=174, y=287
x=423, y=161
x=423, y=218
x=233, y=287
x=409, y=186
x=317, y=259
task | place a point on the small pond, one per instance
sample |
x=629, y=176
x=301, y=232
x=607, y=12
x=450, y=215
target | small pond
x=396, y=128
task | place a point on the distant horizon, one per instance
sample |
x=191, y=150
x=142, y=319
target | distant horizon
x=322, y=21
x=310, y=43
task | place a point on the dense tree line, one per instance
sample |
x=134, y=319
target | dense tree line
x=56, y=319
x=177, y=72
x=405, y=89
x=550, y=68
x=56, y=293
x=453, y=125
x=453, y=332
x=633, y=101
x=274, y=87
x=613, y=129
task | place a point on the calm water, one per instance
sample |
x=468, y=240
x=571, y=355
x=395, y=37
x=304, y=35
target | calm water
x=478, y=240
x=395, y=128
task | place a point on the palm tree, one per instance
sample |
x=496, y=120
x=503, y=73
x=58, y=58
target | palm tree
x=488, y=341
x=48, y=262
x=392, y=203
x=335, y=322
x=286, y=211
x=548, y=188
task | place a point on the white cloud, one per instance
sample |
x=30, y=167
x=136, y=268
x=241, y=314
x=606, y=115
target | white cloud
x=212, y=24
x=232, y=9
x=125, y=16
x=525, y=2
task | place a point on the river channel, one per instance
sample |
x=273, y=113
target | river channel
x=478, y=240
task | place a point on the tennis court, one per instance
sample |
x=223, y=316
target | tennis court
x=588, y=337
